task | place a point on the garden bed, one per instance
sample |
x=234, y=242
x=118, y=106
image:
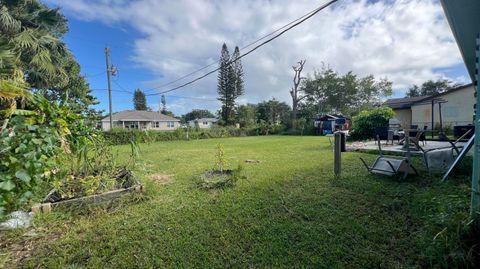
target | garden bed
x=89, y=200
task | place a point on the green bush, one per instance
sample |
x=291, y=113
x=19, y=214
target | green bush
x=27, y=157
x=124, y=136
x=364, y=124
x=30, y=144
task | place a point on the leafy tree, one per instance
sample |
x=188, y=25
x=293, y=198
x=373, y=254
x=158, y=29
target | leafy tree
x=413, y=91
x=246, y=115
x=274, y=112
x=230, y=85
x=430, y=87
x=197, y=114
x=139, y=100
x=330, y=92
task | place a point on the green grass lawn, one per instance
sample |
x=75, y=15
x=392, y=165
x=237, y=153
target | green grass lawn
x=290, y=211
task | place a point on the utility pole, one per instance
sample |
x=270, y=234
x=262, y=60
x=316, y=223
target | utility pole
x=111, y=70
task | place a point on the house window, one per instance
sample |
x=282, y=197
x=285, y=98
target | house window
x=156, y=124
x=205, y=123
x=170, y=124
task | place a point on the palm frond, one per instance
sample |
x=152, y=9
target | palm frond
x=9, y=90
x=8, y=24
x=23, y=112
x=25, y=40
x=43, y=61
x=7, y=61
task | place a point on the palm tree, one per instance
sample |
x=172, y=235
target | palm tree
x=33, y=30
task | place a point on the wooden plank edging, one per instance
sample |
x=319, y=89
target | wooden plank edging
x=91, y=199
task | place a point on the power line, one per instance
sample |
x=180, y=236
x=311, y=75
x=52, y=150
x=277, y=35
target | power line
x=190, y=97
x=251, y=50
x=113, y=90
x=121, y=87
x=244, y=47
x=174, y=96
x=95, y=75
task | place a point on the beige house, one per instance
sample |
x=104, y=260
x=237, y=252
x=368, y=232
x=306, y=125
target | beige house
x=456, y=108
x=142, y=120
x=203, y=123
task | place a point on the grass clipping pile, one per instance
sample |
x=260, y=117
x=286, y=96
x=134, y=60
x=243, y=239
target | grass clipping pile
x=220, y=177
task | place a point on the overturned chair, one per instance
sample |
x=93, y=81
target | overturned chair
x=391, y=166
x=440, y=159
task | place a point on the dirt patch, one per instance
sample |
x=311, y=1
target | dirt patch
x=162, y=179
x=16, y=250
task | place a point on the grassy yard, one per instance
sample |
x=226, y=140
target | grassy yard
x=290, y=211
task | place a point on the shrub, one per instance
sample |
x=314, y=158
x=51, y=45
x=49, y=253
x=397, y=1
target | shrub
x=30, y=144
x=364, y=124
x=124, y=136
x=27, y=154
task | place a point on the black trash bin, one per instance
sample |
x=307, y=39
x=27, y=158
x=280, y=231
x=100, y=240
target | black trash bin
x=343, y=141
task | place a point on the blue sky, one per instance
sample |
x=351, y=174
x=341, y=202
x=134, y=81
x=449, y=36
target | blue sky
x=154, y=41
x=87, y=41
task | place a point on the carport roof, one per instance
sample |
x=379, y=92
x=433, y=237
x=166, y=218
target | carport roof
x=464, y=19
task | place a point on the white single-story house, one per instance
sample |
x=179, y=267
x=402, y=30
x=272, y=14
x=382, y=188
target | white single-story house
x=203, y=123
x=457, y=108
x=143, y=120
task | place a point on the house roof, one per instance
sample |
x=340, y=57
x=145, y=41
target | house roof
x=406, y=102
x=325, y=117
x=139, y=115
x=403, y=103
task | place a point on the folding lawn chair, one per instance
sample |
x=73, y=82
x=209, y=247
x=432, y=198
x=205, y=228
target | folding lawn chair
x=440, y=159
x=391, y=166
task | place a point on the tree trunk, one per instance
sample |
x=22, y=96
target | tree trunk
x=297, y=79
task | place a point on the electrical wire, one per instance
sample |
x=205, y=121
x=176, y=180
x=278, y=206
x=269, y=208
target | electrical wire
x=174, y=96
x=243, y=48
x=190, y=97
x=251, y=50
x=95, y=75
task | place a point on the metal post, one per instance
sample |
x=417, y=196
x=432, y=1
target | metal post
x=475, y=203
x=337, y=153
x=440, y=115
x=433, y=114
x=107, y=60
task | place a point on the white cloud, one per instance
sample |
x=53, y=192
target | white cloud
x=403, y=40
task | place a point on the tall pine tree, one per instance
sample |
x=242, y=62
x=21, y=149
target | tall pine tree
x=238, y=69
x=139, y=100
x=230, y=84
x=164, y=104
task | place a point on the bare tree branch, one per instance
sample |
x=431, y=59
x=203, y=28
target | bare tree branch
x=294, y=92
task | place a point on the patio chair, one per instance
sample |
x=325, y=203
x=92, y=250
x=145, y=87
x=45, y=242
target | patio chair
x=440, y=159
x=416, y=137
x=391, y=166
